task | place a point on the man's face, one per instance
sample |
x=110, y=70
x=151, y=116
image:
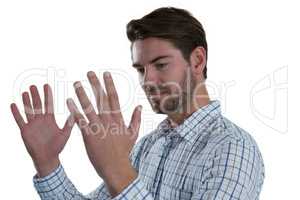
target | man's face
x=164, y=74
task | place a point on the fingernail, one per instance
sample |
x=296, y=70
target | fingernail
x=32, y=87
x=107, y=74
x=140, y=108
x=77, y=84
x=90, y=73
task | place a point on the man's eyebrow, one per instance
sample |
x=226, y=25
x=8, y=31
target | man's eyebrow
x=136, y=65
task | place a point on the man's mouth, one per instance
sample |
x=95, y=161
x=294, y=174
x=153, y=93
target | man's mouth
x=157, y=96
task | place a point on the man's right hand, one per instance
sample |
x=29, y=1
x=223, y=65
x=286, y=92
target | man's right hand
x=43, y=139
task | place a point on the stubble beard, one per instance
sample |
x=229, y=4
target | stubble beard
x=178, y=101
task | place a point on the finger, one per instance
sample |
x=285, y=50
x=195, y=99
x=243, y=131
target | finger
x=48, y=103
x=78, y=117
x=99, y=93
x=36, y=100
x=112, y=94
x=135, y=122
x=86, y=105
x=17, y=115
x=27, y=107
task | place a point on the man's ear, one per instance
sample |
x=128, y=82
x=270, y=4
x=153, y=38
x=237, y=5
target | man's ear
x=198, y=61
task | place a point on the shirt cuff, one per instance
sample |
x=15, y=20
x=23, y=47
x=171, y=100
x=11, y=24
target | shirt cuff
x=52, y=184
x=136, y=190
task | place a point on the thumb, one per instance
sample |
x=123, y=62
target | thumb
x=69, y=124
x=135, y=122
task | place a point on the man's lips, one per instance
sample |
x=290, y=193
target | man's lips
x=156, y=96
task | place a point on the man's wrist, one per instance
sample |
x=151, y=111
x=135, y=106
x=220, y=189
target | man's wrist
x=45, y=168
x=119, y=177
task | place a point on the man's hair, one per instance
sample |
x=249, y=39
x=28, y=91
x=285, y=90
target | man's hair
x=175, y=25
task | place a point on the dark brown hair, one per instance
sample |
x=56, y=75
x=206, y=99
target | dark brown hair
x=175, y=25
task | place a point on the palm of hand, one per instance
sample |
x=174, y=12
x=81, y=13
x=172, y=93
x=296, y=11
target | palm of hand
x=43, y=139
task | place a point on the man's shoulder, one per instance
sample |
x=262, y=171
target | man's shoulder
x=235, y=132
x=230, y=133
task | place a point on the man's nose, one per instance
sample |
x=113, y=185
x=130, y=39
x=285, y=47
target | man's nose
x=150, y=78
x=150, y=75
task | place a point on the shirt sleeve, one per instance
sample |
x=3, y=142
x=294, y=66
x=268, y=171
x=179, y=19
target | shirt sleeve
x=235, y=171
x=57, y=186
x=136, y=190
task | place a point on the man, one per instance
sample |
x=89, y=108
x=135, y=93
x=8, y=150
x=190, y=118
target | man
x=195, y=153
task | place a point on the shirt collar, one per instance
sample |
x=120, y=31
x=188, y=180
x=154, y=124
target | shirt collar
x=194, y=124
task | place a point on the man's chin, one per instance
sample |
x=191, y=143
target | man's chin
x=160, y=109
x=156, y=109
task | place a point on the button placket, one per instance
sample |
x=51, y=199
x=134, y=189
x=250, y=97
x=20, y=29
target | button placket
x=169, y=141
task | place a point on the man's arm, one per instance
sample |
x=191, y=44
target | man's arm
x=57, y=185
x=107, y=139
x=235, y=172
x=108, y=151
x=44, y=141
x=136, y=189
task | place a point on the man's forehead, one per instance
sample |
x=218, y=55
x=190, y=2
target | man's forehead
x=145, y=51
x=152, y=44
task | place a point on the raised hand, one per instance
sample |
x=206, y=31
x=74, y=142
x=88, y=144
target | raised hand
x=107, y=139
x=43, y=139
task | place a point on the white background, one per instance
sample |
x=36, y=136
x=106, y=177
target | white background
x=251, y=68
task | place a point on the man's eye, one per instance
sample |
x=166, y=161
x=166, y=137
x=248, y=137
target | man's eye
x=161, y=65
x=140, y=69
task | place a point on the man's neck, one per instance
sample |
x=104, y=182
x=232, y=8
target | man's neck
x=199, y=100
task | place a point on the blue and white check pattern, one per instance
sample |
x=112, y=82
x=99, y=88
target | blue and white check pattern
x=206, y=157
